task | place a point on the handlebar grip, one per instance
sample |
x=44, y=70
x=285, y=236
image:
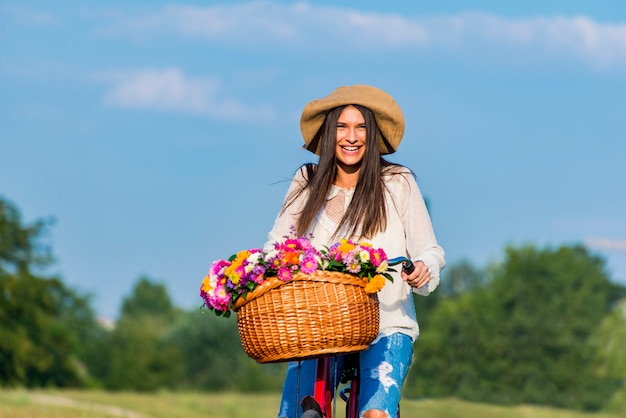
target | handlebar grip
x=408, y=267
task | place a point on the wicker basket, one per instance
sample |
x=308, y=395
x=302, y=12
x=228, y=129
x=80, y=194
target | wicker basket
x=314, y=315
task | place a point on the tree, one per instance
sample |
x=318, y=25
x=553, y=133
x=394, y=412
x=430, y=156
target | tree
x=44, y=323
x=524, y=336
x=457, y=280
x=609, y=342
x=149, y=299
x=139, y=356
x=214, y=359
x=21, y=248
x=461, y=278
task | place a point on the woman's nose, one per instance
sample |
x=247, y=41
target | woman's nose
x=351, y=136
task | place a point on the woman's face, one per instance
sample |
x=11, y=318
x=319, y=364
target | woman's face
x=351, y=135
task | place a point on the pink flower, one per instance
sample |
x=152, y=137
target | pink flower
x=284, y=274
x=218, y=267
x=309, y=264
x=377, y=256
x=218, y=299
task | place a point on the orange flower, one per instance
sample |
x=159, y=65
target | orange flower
x=375, y=284
x=292, y=257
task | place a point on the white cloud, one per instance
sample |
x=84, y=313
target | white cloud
x=598, y=44
x=171, y=90
x=606, y=244
x=211, y=22
x=303, y=25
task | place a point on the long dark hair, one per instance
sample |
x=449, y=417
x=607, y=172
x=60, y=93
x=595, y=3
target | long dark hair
x=366, y=214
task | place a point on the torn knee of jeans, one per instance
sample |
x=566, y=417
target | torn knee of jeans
x=375, y=413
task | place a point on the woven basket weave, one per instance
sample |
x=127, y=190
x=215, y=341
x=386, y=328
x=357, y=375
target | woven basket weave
x=312, y=315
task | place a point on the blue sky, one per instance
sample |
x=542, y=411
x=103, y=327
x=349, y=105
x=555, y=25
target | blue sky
x=162, y=135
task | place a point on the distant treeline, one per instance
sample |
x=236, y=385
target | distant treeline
x=543, y=326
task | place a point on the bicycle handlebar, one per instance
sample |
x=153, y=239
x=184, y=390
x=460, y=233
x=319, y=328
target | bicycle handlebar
x=407, y=265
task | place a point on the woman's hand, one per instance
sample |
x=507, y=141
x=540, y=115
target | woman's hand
x=420, y=276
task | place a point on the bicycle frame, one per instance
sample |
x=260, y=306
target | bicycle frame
x=324, y=389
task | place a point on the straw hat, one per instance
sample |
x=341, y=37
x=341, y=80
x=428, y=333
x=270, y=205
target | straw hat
x=388, y=115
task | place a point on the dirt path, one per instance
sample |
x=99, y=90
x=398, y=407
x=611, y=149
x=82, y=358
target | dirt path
x=90, y=406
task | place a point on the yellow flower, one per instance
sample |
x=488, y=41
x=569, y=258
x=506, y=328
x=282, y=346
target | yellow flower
x=231, y=271
x=206, y=284
x=345, y=246
x=375, y=284
x=241, y=257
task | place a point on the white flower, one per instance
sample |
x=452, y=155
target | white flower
x=213, y=283
x=273, y=253
x=252, y=261
x=383, y=267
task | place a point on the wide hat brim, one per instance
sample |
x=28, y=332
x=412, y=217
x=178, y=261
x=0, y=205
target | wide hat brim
x=388, y=114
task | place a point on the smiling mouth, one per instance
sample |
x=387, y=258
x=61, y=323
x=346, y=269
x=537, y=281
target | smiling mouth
x=351, y=149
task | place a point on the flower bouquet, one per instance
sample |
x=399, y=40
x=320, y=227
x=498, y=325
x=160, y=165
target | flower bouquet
x=228, y=280
x=293, y=301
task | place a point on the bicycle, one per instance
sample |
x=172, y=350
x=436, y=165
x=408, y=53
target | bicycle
x=319, y=404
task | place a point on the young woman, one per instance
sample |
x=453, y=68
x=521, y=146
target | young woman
x=354, y=193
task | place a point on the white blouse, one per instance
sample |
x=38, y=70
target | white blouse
x=409, y=233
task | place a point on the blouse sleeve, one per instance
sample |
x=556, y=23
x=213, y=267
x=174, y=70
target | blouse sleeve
x=421, y=242
x=287, y=217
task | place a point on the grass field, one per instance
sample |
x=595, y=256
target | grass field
x=100, y=404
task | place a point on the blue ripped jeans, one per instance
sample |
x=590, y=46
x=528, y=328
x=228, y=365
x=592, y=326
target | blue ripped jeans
x=384, y=366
